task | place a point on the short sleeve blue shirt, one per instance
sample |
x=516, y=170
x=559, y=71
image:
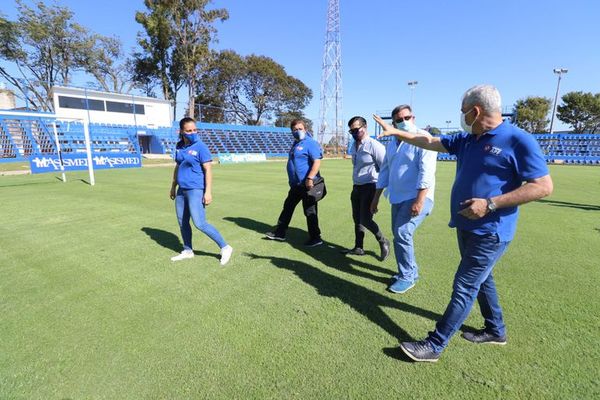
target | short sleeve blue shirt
x=497, y=162
x=190, y=174
x=301, y=158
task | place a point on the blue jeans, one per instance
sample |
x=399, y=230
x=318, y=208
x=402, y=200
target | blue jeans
x=188, y=202
x=479, y=254
x=403, y=227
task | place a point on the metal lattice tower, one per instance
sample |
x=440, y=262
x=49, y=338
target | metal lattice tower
x=330, y=116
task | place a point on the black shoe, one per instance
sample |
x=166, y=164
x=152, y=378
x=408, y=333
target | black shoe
x=384, y=246
x=421, y=351
x=313, y=242
x=356, y=251
x=481, y=336
x=274, y=236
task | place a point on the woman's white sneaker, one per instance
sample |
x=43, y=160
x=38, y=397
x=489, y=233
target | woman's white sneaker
x=183, y=255
x=226, y=254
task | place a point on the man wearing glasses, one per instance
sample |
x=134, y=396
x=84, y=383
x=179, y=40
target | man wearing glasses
x=367, y=158
x=408, y=173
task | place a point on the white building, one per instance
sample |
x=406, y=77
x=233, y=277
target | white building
x=111, y=108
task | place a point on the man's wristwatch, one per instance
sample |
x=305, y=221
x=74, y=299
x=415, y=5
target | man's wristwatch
x=491, y=206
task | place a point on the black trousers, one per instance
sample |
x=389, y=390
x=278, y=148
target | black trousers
x=295, y=195
x=361, y=198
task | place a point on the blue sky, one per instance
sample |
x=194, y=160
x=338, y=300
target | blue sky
x=447, y=46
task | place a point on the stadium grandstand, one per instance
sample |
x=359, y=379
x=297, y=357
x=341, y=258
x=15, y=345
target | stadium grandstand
x=140, y=125
x=24, y=136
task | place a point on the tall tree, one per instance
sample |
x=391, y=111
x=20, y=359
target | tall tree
x=175, y=46
x=102, y=61
x=254, y=88
x=156, y=63
x=219, y=87
x=47, y=47
x=42, y=43
x=581, y=111
x=194, y=32
x=532, y=113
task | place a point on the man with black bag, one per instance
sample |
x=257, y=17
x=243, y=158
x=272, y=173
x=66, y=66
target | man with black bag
x=306, y=185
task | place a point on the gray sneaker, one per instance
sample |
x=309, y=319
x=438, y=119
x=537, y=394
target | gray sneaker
x=421, y=351
x=481, y=336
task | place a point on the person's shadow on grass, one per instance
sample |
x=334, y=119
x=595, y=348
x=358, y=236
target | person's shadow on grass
x=580, y=206
x=327, y=254
x=363, y=300
x=171, y=241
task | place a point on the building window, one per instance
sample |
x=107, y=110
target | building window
x=80, y=103
x=127, y=108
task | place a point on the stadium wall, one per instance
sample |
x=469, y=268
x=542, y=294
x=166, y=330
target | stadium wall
x=25, y=135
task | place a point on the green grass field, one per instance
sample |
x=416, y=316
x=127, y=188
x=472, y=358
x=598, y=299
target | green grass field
x=91, y=307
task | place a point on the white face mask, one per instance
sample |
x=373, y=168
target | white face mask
x=299, y=134
x=463, y=122
x=407, y=126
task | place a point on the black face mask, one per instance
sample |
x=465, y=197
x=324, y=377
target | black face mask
x=355, y=133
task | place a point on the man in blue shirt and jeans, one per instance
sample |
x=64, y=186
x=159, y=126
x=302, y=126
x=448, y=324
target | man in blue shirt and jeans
x=494, y=158
x=408, y=173
x=303, y=170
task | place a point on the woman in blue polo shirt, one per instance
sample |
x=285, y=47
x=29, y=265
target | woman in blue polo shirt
x=193, y=175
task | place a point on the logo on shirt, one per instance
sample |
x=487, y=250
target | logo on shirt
x=492, y=149
x=192, y=152
x=299, y=148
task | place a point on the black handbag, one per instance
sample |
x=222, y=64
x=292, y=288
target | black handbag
x=319, y=190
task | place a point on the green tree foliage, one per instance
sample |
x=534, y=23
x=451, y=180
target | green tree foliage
x=175, y=45
x=219, y=87
x=532, y=113
x=284, y=119
x=434, y=131
x=581, y=111
x=101, y=61
x=47, y=47
x=156, y=63
x=254, y=89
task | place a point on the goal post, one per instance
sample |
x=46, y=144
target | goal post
x=70, y=159
x=76, y=149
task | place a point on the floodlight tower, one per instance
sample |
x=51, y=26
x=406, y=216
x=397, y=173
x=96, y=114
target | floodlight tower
x=412, y=85
x=559, y=72
x=330, y=115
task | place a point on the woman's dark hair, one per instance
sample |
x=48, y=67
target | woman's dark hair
x=297, y=121
x=184, y=121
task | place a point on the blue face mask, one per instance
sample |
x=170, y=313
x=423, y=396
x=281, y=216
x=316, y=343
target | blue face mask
x=299, y=135
x=192, y=137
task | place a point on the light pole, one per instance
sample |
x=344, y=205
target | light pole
x=559, y=72
x=411, y=85
x=448, y=122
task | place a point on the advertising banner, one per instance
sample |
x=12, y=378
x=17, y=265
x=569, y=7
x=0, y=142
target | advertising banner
x=78, y=161
x=228, y=158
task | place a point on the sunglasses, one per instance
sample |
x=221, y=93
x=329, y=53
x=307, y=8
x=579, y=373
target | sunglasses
x=355, y=130
x=407, y=118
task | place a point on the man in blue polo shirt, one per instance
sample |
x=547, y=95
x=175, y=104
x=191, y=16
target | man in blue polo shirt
x=494, y=158
x=303, y=170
